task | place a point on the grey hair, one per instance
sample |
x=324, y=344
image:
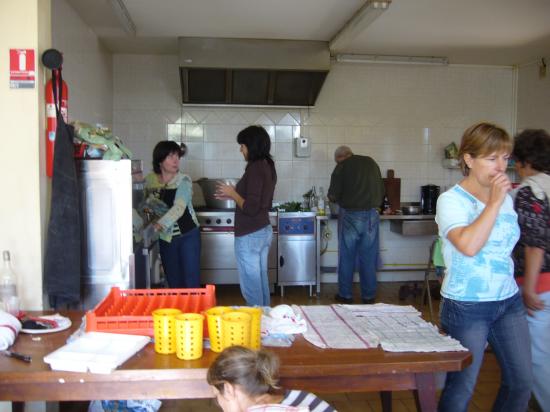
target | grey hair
x=342, y=151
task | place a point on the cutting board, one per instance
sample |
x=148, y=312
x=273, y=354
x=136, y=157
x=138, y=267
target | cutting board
x=393, y=189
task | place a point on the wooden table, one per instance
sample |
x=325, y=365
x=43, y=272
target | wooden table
x=149, y=375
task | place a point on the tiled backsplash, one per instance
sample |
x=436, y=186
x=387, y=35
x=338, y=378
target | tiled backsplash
x=402, y=116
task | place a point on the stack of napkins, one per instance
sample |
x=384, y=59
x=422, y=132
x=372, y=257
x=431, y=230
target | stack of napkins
x=96, y=352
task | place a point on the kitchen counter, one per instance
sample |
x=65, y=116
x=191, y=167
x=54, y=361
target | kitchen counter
x=406, y=225
x=404, y=245
x=389, y=217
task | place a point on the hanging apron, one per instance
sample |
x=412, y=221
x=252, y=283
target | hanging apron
x=62, y=263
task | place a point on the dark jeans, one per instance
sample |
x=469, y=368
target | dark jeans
x=358, y=237
x=181, y=259
x=503, y=324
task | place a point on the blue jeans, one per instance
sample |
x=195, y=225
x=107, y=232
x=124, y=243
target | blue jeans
x=251, y=252
x=504, y=326
x=539, y=328
x=357, y=237
x=181, y=259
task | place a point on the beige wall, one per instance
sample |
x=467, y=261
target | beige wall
x=533, y=106
x=23, y=24
x=88, y=72
x=87, y=66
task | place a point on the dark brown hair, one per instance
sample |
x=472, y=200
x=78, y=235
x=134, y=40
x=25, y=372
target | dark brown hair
x=532, y=146
x=165, y=148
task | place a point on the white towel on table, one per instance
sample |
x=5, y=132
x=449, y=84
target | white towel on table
x=9, y=329
x=282, y=319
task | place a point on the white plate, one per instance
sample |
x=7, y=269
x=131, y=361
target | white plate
x=62, y=324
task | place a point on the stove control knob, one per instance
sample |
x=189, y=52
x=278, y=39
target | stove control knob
x=228, y=221
x=208, y=221
x=218, y=221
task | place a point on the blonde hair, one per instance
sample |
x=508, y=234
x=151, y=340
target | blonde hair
x=256, y=372
x=483, y=139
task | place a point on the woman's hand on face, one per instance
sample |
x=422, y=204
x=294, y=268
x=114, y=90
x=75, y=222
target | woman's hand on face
x=225, y=191
x=500, y=185
x=532, y=302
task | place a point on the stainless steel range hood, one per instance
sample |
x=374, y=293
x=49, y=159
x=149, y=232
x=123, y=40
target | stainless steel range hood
x=216, y=71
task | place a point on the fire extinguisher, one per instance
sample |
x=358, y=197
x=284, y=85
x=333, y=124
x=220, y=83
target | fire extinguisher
x=51, y=117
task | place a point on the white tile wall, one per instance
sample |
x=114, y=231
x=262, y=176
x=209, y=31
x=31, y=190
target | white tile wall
x=87, y=67
x=403, y=116
x=533, y=104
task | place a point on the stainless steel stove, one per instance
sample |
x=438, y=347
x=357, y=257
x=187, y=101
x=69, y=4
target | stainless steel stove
x=218, y=263
x=216, y=220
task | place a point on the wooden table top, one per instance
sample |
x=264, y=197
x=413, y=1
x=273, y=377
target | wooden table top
x=148, y=374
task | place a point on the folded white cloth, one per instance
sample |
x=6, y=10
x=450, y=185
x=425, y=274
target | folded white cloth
x=282, y=319
x=9, y=329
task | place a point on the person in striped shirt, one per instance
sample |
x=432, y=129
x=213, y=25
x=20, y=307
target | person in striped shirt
x=244, y=380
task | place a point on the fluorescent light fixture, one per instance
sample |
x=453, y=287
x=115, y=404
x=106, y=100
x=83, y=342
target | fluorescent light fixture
x=123, y=16
x=372, y=58
x=358, y=22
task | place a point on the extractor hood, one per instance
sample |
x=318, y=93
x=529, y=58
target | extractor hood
x=252, y=72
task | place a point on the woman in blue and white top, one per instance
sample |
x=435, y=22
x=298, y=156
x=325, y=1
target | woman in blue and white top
x=479, y=228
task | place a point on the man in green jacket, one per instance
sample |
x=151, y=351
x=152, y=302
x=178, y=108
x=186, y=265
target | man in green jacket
x=356, y=185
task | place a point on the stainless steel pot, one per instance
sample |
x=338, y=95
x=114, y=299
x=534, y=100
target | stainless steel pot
x=209, y=187
x=411, y=210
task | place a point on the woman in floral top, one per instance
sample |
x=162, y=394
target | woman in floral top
x=169, y=195
x=532, y=252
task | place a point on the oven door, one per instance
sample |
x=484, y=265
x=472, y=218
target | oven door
x=218, y=263
x=217, y=250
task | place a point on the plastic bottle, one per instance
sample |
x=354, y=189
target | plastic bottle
x=9, y=300
x=321, y=202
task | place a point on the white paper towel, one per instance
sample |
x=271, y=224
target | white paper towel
x=9, y=329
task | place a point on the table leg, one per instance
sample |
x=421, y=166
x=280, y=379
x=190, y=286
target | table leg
x=424, y=394
x=385, y=398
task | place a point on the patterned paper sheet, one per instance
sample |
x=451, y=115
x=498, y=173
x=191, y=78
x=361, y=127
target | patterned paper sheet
x=395, y=328
x=332, y=327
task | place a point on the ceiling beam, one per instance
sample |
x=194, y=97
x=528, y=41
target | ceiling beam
x=123, y=16
x=358, y=22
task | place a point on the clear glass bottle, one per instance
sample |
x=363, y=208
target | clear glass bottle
x=386, y=209
x=313, y=200
x=327, y=206
x=8, y=286
x=321, y=202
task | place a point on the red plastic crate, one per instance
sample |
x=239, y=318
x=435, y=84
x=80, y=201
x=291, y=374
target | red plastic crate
x=130, y=311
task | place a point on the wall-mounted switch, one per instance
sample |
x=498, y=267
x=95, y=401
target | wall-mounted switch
x=302, y=147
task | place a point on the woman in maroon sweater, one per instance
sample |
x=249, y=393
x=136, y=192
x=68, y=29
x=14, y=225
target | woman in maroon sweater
x=253, y=196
